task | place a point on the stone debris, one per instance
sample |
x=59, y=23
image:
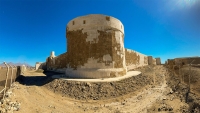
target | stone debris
x=7, y=105
x=98, y=91
x=165, y=107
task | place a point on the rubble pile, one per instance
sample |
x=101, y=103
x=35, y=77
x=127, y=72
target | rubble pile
x=102, y=90
x=6, y=104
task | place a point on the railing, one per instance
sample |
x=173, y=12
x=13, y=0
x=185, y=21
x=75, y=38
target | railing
x=8, y=75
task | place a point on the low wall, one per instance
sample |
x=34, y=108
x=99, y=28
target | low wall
x=187, y=60
x=40, y=65
x=135, y=59
x=7, y=77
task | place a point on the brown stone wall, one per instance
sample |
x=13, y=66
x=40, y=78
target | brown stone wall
x=131, y=57
x=150, y=60
x=117, y=58
x=79, y=50
x=58, y=62
x=171, y=63
x=158, y=61
x=145, y=60
x=184, y=61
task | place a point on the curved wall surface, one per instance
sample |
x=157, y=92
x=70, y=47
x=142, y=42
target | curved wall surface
x=95, y=49
x=95, y=42
x=95, y=21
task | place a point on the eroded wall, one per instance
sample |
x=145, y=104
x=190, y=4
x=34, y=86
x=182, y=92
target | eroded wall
x=58, y=62
x=187, y=60
x=158, y=61
x=40, y=65
x=95, y=48
x=135, y=59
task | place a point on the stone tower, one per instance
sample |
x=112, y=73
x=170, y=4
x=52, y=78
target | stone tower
x=95, y=47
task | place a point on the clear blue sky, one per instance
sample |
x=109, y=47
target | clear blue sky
x=31, y=29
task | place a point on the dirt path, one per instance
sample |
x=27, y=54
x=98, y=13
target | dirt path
x=141, y=101
x=38, y=99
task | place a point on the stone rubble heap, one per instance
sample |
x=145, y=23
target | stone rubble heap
x=98, y=91
x=6, y=105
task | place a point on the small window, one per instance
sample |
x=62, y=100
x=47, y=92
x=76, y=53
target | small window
x=73, y=22
x=84, y=22
x=107, y=18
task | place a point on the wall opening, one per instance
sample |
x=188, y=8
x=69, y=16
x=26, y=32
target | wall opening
x=73, y=22
x=107, y=18
x=84, y=21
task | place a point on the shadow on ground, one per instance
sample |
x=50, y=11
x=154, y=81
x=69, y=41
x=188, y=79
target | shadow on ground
x=36, y=80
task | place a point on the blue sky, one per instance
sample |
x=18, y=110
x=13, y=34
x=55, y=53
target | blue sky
x=31, y=29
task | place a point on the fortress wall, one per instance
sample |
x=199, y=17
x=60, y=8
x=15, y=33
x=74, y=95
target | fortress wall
x=40, y=65
x=58, y=62
x=135, y=59
x=95, y=49
x=95, y=42
x=154, y=61
x=90, y=23
x=171, y=63
x=158, y=61
x=187, y=60
x=150, y=60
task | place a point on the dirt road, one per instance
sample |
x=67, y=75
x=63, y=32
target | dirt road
x=36, y=98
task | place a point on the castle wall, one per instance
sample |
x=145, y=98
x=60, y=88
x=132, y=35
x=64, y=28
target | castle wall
x=95, y=42
x=150, y=60
x=158, y=61
x=95, y=49
x=153, y=61
x=135, y=59
x=40, y=65
x=187, y=60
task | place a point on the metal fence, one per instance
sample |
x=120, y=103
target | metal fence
x=8, y=75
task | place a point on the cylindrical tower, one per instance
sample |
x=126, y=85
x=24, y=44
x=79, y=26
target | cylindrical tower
x=95, y=47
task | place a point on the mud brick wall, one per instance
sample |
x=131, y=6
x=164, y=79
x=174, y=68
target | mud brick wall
x=40, y=65
x=158, y=61
x=171, y=63
x=135, y=59
x=150, y=60
x=95, y=47
x=154, y=61
x=12, y=74
x=187, y=60
x=58, y=62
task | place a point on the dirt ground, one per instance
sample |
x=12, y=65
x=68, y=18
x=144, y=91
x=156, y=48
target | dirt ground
x=36, y=94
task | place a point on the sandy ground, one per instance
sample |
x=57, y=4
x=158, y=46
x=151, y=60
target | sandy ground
x=38, y=99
